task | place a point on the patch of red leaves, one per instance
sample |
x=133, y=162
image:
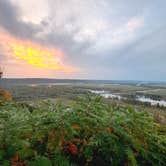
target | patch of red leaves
x=73, y=149
x=15, y=161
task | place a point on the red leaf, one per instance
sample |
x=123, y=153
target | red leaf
x=73, y=149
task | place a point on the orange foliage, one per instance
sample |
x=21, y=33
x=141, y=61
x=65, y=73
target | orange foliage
x=73, y=149
x=75, y=126
x=5, y=95
x=15, y=161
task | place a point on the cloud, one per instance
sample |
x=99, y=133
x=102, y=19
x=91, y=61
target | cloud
x=32, y=53
x=32, y=11
x=10, y=20
x=108, y=38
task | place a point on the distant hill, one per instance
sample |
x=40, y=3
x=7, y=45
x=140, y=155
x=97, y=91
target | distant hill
x=5, y=82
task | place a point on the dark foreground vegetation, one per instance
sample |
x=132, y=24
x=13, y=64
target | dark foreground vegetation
x=89, y=132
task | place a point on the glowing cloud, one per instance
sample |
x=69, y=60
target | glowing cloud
x=32, y=53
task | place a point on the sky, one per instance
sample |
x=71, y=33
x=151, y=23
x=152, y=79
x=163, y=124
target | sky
x=83, y=39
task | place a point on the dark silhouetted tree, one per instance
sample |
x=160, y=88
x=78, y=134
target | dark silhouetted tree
x=1, y=73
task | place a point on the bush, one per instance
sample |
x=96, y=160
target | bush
x=5, y=96
x=87, y=133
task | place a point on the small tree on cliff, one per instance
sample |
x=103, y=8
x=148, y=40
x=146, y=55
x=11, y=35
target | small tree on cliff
x=1, y=73
x=4, y=94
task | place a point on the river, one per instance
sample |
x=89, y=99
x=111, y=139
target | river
x=143, y=99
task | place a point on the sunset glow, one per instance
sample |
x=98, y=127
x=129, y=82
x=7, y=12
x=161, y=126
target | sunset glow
x=32, y=53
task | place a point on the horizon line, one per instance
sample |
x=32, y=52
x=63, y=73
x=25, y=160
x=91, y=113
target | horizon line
x=84, y=79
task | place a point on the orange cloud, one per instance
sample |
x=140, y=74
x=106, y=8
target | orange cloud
x=32, y=53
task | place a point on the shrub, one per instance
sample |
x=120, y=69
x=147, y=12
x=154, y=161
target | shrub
x=5, y=96
x=87, y=133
